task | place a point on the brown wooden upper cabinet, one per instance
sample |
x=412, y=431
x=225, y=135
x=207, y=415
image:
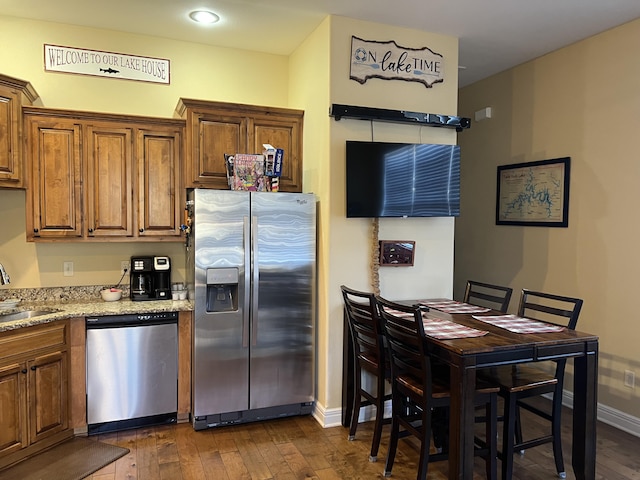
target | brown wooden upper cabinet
x=214, y=129
x=14, y=93
x=103, y=177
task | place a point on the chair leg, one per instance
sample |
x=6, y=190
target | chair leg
x=518, y=427
x=377, y=427
x=393, y=440
x=491, y=425
x=556, y=432
x=357, y=399
x=508, y=436
x=425, y=445
x=440, y=428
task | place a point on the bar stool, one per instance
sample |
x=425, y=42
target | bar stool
x=370, y=356
x=520, y=382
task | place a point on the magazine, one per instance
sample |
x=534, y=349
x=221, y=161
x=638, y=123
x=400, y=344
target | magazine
x=248, y=173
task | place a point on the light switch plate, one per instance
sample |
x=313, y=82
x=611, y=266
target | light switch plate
x=67, y=269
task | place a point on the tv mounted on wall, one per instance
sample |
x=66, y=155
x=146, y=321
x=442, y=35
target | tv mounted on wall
x=402, y=180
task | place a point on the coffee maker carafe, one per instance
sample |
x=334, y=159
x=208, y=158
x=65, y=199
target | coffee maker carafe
x=150, y=278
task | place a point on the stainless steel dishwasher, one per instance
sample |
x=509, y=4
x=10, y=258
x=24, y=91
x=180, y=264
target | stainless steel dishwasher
x=132, y=371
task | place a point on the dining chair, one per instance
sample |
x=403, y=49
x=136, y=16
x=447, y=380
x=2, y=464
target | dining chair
x=415, y=392
x=369, y=356
x=519, y=384
x=487, y=295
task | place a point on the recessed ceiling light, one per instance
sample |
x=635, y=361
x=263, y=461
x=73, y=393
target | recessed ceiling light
x=203, y=16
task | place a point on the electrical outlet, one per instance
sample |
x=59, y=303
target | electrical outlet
x=67, y=269
x=629, y=379
x=124, y=266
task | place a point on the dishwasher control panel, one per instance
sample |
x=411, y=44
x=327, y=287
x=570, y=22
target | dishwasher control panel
x=132, y=319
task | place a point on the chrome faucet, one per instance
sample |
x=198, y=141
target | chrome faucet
x=4, y=276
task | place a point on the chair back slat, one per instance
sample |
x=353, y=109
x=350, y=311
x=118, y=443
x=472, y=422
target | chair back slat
x=482, y=294
x=551, y=308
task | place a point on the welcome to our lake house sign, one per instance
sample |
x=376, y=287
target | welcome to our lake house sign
x=390, y=61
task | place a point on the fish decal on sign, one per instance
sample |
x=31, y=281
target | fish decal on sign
x=109, y=70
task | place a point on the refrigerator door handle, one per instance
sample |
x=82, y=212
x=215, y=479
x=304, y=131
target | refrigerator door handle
x=247, y=279
x=256, y=278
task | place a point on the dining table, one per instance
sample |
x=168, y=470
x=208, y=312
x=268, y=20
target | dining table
x=498, y=346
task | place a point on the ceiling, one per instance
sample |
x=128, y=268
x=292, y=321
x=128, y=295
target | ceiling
x=494, y=35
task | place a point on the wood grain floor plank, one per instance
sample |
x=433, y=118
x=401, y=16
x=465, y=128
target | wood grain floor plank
x=166, y=443
x=190, y=463
x=251, y=456
x=147, y=453
x=126, y=466
x=234, y=466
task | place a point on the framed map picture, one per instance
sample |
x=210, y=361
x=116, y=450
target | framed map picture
x=534, y=193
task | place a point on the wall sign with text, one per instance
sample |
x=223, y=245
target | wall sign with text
x=390, y=61
x=106, y=64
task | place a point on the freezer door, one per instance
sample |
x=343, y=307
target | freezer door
x=220, y=366
x=283, y=280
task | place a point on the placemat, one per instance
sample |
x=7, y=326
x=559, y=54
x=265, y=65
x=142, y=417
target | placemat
x=452, y=306
x=443, y=329
x=447, y=330
x=516, y=324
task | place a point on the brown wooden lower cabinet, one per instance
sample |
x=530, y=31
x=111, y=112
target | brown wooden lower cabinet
x=34, y=390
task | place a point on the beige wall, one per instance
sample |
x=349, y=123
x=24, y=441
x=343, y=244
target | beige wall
x=581, y=101
x=309, y=91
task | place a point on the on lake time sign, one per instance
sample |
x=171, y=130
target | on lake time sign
x=106, y=64
x=390, y=61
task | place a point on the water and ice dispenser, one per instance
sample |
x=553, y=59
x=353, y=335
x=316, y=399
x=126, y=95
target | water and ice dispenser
x=222, y=289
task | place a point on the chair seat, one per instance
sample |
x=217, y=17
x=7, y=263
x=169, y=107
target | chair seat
x=518, y=378
x=438, y=390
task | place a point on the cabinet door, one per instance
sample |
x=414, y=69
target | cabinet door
x=212, y=136
x=13, y=405
x=281, y=131
x=48, y=392
x=160, y=202
x=109, y=181
x=10, y=161
x=54, y=203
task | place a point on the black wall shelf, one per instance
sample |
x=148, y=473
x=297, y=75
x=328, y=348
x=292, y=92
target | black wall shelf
x=339, y=111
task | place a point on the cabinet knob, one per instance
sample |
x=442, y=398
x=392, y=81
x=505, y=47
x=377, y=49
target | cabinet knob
x=33, y=368
x=91, y=230
x=141, y=230
x=24, y=370
x=35, y=230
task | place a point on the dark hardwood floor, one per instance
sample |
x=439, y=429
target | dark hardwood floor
x=299, y=448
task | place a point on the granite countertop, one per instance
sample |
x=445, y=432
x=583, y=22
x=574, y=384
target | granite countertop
x=68, y=303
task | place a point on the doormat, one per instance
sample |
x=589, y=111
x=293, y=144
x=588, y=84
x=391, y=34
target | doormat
x=74, y=459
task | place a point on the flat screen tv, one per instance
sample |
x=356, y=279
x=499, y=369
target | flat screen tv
x=402, y=180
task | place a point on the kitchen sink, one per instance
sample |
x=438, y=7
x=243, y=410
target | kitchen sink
x=24, y=314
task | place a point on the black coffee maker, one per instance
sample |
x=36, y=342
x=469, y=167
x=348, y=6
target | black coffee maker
x=150, y=278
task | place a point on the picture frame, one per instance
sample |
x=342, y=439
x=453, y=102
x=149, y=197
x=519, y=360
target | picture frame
x=534, y=193
x=397, y=253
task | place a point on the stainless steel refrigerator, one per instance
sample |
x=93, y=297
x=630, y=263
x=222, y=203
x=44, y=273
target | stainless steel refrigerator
x=251, y=268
